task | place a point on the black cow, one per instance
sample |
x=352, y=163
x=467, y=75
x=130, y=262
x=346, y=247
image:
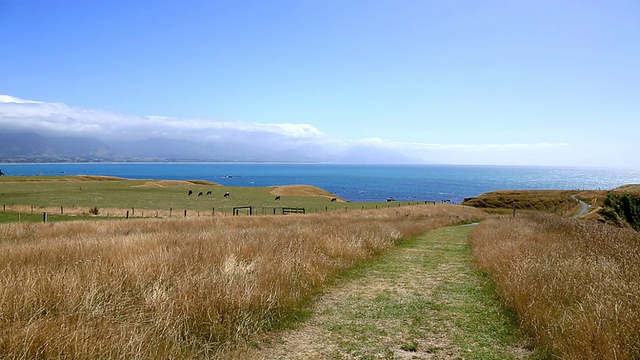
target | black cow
x=277, y=198
x=208, y=192
x=334, y=199
x=190, y=192
x=200, y=193
x=227, y=194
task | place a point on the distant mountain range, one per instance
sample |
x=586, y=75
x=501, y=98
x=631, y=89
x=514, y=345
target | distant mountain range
x=33, y=147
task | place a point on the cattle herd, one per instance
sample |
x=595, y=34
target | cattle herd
x=228, y=194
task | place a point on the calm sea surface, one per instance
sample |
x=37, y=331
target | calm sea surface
x=356, y=182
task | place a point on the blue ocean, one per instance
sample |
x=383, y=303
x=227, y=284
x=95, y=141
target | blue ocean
x=357, y=182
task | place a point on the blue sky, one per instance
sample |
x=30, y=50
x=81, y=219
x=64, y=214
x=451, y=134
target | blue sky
x=482, y=82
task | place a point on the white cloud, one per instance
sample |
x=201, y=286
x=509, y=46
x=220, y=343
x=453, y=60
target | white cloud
x=10, y=99
x=62, y=120
x=296, y=130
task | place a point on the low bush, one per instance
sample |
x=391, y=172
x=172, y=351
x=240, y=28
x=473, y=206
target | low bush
x=622, y=209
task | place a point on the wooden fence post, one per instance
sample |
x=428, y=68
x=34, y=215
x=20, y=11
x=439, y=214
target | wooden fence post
x=127, y=214
x=44, y=217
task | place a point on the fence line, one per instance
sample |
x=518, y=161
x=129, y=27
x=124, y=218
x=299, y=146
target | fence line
x=159, y=213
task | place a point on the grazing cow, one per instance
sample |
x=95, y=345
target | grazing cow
x=277, y=198
x=226, y=194
x=334, y=199
x=208, y=192
x=200, y=193
x=190, y=192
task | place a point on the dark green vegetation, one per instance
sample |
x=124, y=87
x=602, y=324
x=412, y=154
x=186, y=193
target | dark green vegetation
x=622, y=209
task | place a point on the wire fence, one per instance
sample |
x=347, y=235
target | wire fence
x=246, y=210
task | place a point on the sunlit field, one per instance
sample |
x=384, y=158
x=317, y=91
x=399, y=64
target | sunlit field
x=574, y=285
x=108, y=197
x=181, y=288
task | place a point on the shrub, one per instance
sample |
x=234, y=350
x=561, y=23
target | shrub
x=622, y=208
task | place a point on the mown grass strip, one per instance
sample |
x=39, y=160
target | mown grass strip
x=422, y=300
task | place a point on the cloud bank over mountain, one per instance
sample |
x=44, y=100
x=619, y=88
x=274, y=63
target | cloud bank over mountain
x=35, y=128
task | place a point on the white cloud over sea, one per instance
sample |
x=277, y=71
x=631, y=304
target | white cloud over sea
x=57, y=119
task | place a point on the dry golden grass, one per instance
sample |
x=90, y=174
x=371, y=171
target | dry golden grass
x=165, y=183
x=110, y=212
x=573, y=284
x=180, y=288
x=633, y=189
x=302, y=190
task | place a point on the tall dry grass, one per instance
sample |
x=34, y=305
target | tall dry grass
x=179, y=288
x=575, y=285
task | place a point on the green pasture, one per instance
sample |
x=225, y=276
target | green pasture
x=11, y=217
x=67, y=193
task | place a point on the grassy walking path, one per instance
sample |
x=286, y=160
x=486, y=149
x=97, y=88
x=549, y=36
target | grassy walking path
x=422, y=300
